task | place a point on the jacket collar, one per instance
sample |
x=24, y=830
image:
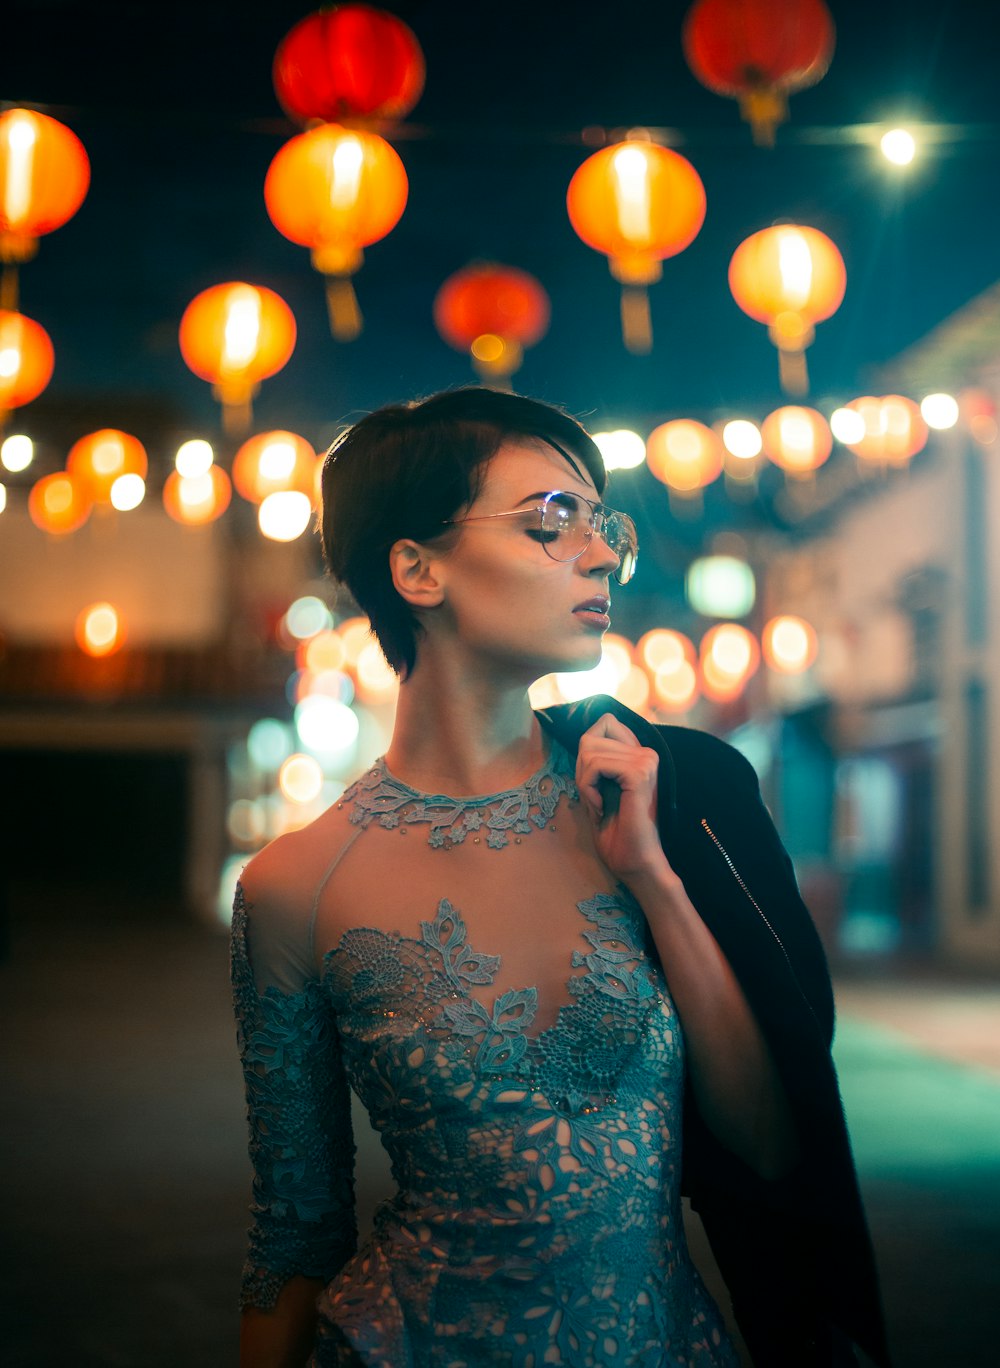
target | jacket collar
x=568, y=721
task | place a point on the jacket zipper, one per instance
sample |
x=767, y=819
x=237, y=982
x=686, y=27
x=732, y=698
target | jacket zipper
x=759, y=910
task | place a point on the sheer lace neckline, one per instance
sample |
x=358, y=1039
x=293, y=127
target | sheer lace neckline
x=529, y=806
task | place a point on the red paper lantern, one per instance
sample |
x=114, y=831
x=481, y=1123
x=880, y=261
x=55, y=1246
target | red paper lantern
x=44, y=176
x=348, y=62
x=336, y=190
x=791, y=277
x=493, y=312
x=26, y=360
x=102, y=457
x=638, y=203
x=235, y=335
x=759, y=52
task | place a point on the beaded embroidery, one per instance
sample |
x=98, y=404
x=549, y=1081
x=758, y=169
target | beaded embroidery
x=379, y=794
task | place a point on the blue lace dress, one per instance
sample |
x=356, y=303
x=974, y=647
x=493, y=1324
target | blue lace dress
x=502, y=1015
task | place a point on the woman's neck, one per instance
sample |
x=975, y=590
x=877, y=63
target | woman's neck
x=463, y=735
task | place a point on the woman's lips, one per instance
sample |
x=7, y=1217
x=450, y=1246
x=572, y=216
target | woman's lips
x=593, y=617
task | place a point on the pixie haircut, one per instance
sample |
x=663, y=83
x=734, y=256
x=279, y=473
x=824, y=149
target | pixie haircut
x=404, y=470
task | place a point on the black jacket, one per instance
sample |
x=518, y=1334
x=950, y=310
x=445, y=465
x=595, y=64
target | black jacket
x=796, y=1254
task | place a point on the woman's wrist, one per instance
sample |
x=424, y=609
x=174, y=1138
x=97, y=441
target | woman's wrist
x=655, y=884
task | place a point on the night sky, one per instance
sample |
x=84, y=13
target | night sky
x=176, y=109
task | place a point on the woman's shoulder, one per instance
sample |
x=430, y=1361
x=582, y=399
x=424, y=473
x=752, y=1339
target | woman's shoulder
x=285, y=874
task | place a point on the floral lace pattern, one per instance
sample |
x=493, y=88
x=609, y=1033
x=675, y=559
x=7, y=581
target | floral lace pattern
x=537, y=1219
x=379, y=794
x=301, y=1153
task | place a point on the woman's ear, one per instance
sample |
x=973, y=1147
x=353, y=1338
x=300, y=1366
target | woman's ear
x=414, y=571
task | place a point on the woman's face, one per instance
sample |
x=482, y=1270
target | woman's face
x=505, y=599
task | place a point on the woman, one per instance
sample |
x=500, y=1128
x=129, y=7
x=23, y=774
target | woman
x=547, y=993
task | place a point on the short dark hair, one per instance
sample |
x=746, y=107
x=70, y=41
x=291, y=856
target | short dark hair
x=403, y=470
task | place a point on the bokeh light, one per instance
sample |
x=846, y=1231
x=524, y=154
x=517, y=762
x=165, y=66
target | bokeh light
x=99, y=630
x=308, y=616
x=246, y=822
x=720, y=586
x=59, y=504
x=789, y=644
x=284, y=515
x=355, y=633
x=300, y=779
x=676, y=688
x=324, y=651
x=621, y=449
x=3, y=497
x=194, y=458
x=17, y=452
x=128, y=492
x=939, y=411
x=742, y=439
x=898, y=146
x=377, y=681
x=326, y=727
x=847, y=426
x=663, y=649
x=270, y=743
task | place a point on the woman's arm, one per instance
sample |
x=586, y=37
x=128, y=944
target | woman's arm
x=301, y=1144
x=732, y=1074
x=730, y=1067
x=281, y=1337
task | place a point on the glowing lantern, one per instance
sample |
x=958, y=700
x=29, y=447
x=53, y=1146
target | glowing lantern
x=676, y=689
x=720, y=586
x=197, y=499
x=236, y=335
x=759, y=53
x=791, y=278
x=26, y=360
x=44, y=175
x=894, y=430
x=271, y=462
x=729, y=656
x=59, y=503
x=351, y=61
x=797, y=439
x=102, y=457
x=336, y=190
x=789, y=644
x=662, y=649
x=284, y=515
x=684, y=455
x=638, y=203
x=100, y=630
x=493, y=312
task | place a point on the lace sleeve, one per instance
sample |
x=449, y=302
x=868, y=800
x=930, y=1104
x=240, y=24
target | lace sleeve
x=301, y=1144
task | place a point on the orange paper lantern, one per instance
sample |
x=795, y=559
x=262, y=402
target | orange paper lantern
x=790, y=277
x=797, y=439
x=44, y=176
x=759, y=53
x=348, y=62
x=493, y=312
x=236, y=335
x=100, y=458
x=684, y=455
x=59, y=503
x=197, y=499
x=894, y=429
x=272, y=462
x=26, y=360
x=638, y=203
x=336, y=190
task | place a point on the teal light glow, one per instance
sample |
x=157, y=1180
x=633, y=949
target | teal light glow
x=720, y=586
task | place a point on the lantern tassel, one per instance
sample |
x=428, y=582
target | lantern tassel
x=637, y=325
x=763, y=109
x=8, y=287
x=793, y=372
x=342, y=307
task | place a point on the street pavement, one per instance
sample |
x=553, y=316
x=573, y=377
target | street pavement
x=124, y=1179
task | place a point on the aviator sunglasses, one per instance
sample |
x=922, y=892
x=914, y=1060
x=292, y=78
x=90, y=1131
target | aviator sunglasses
x=567, y=523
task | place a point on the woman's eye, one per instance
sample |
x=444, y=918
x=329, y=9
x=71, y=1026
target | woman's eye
x=543, y=535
